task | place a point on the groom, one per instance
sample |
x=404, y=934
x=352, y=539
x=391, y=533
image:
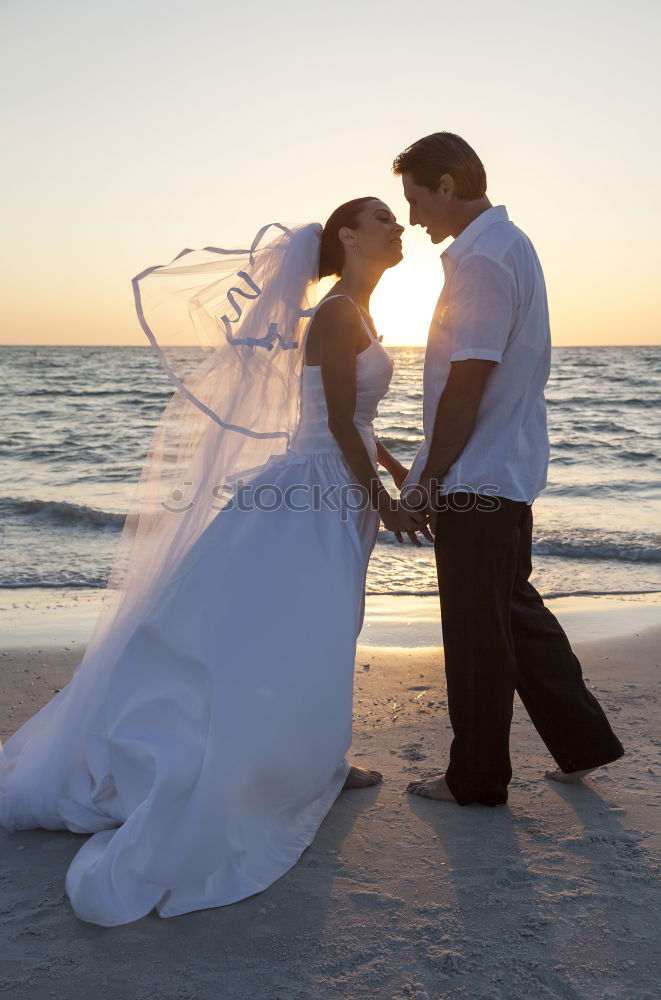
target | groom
x=483, y=461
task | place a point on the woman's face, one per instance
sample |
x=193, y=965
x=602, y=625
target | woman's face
x=377, y=235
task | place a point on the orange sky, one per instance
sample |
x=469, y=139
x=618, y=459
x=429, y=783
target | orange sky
x=140, y=130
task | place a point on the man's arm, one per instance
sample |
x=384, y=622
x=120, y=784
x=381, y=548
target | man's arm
x=481, y=310
x=455, y=416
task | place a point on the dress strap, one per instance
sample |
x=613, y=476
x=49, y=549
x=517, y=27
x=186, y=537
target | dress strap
x=340, y=295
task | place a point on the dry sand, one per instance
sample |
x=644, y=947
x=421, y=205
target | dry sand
x=554, y=895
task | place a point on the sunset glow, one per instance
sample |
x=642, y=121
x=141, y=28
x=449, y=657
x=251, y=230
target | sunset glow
x=134, y=135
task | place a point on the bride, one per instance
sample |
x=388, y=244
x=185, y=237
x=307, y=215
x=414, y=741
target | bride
x=203, y=738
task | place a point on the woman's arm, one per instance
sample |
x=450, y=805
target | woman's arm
x=339, y=328
x=391, y=464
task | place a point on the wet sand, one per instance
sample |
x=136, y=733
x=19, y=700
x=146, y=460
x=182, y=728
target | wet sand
x=554, y=895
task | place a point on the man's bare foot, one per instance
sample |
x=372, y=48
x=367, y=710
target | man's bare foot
x=570, y=778
x=432, y=788
x=360, y=777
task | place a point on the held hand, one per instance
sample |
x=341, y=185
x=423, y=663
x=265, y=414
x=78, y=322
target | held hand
x=417, y=497
x=398, y=519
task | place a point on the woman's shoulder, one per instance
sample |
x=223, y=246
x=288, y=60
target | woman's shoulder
x=337, y=307
x=337, y=323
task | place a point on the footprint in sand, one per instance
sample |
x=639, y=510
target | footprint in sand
x=412, y=751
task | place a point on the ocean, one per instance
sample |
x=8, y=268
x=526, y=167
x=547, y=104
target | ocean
x=76, y=422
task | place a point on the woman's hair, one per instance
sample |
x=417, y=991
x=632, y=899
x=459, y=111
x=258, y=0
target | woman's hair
x=444, y=153
x=331, y=254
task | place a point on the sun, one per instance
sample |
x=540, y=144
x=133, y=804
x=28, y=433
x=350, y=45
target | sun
x=404, y=300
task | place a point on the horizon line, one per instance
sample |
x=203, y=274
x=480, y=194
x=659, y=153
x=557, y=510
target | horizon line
x=166, y=346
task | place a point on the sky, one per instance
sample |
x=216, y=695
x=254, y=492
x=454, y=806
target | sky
x=136, y=128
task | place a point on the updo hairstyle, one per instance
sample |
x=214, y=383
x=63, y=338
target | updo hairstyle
x=331, y=255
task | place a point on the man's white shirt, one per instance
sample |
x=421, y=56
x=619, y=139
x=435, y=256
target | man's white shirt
x=493, y=307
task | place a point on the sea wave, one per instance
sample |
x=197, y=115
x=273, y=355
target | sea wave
x=547, y=595
x=78, y=580
x=619, y=489
x=58, y=580
x=62, y=514
x=82, y=439
x=625, y=547
x=580, y=543
x=623, y=550
x=612, y=402
x=134, y=394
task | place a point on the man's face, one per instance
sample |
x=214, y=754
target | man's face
x=429, y=209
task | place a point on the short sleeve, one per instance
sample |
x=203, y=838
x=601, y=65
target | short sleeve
x=481, y=309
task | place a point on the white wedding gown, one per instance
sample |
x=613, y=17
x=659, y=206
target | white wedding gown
x=208, y=764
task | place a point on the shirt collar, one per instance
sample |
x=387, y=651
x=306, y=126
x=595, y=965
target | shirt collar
x=466, y=238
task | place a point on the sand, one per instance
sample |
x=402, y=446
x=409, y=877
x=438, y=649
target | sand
x=554, y=895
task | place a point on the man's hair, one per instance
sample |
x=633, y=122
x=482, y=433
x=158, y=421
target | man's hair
x=444, y=153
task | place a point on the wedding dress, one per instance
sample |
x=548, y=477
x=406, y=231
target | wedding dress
x=205, y=761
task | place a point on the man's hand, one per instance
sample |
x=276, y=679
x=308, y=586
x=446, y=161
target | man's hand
x=416, y=498
x=427, y=488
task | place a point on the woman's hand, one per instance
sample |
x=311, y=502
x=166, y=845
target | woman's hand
x=398, y=519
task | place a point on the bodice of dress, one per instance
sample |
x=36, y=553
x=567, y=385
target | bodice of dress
x=374, y=370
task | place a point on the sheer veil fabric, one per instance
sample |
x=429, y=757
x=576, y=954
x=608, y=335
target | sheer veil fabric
x=239, y=316
x=202, y=738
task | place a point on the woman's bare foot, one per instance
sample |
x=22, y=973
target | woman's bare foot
x=570, y=778
x=360, y=777
x=432, y=788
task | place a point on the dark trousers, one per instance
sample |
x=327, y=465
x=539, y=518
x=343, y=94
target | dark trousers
x=498, y=637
